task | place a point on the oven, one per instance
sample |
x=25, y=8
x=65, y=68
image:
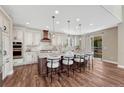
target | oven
x=17, y=50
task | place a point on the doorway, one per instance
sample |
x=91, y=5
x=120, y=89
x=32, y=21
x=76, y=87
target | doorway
x=96, y=45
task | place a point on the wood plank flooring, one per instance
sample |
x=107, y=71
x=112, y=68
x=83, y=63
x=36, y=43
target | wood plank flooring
x=103, y=75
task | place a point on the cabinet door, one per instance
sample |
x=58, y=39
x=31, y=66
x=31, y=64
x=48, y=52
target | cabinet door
x=35, y=59
x=28, y=38
x=18, y=35
x=1, y=20
x=6, y=53
x=28, y=58
x=36, y=39
x=6, y=25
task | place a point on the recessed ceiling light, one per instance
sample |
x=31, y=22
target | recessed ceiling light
x=77, y=19
x=91, y=24
x=56, y=12
x=27, y=23
x=57, y=22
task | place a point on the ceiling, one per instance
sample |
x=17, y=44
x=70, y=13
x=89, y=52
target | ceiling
x=92, y=18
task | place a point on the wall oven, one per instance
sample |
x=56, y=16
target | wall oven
x=17, y=50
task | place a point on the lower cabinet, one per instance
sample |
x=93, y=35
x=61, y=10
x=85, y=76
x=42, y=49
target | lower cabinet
x=30, y=58
x=18, y=62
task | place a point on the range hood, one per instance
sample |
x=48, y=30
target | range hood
x=45, y=36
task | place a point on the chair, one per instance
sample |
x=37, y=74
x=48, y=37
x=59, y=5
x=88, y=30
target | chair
x=53, y=65
x=89, y=59
x=68, y=61
x=80, y=62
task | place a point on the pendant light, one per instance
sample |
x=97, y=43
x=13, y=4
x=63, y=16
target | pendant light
x=53, y=19
x=53, y=24
x=69, y=43
x=68, y=25
x=80, y=27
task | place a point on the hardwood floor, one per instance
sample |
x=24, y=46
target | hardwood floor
x=103, y=75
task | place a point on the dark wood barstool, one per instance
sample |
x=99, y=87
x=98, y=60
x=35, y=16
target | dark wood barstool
x=89, y=59
x=80, y=62
x=68, y=61
x=53, y=65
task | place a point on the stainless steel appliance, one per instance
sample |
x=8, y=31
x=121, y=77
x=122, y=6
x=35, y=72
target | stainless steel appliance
x=17, y=50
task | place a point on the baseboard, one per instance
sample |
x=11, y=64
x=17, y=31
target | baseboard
x=120, y=66
x=109, y=61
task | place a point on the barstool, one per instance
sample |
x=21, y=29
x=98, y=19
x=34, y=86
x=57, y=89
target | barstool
x=68, y=61
x=53, y=64
x=79, y=61
x=89, y=59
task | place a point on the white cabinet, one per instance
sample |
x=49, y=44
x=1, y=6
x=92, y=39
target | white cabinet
x=36, y=38
x=32, y=38
x=6, y=34
x=28, y=38
x=1, y=20
x=6, y=25
x=18, y=34
x=18, y=62
x=34, y=57
x=6, y=55
x=30, y=57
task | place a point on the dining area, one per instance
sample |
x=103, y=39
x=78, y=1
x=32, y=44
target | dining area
x=55, y=64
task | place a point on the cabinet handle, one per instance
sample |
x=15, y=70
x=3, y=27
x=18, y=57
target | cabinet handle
x=4, y=28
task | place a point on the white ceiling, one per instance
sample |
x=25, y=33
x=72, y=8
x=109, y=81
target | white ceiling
x=40, y=16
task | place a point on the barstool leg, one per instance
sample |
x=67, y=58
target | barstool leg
x=92, y=63
x=51, y=75
x=72, y=68
x=89, y=64
x=80, y=67
x=84, y=65
x=58, y=74
x=47, y=72
x=68, y=70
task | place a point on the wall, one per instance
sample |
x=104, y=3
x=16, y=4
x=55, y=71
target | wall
x=109, y=42
x=121, y=42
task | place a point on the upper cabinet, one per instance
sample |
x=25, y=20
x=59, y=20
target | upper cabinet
x=37, y=38
x=28, y=38
x=1, y=20
x=32, y=38
x=4, y=23
x=18, y=34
